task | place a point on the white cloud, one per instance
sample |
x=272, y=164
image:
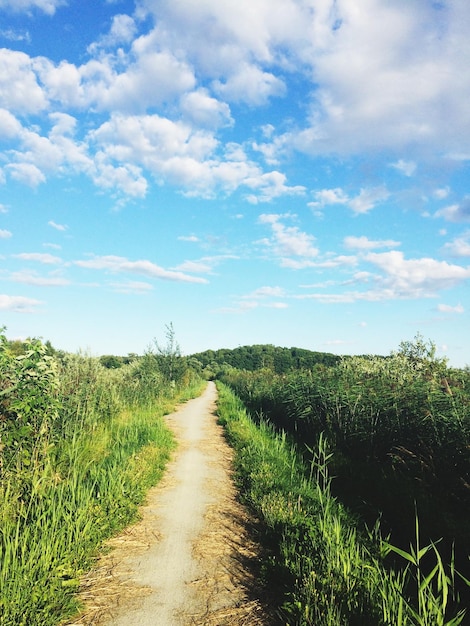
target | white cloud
x=271, y=185
x=126, y=178
x=204, y=110
x=205, y=265
x=185, y=156
x=5, y=234
x=25, y=6
x=252, y=85
x=399, y=279
x=15, y=35
x=441, y=193
x=26, y=173
x=19, y=88
x=416, y=278
x=32, y=278
x=118, y=264
x=363, y=243
x=39, y=257
x=123, y=29
x=131, y=287
x=446, y=308
x=366, y=200
x=18, y=304
x=60, y=227
x=155, y=78
x=325, y=197
x=262, y=292
x=294, y=247
x=460, y=246
x=263, y=297
x=456, y=212
x=241, y=40
x=191, y=238
x=408, y=168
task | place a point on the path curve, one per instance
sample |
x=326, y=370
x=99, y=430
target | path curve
x=192, y=559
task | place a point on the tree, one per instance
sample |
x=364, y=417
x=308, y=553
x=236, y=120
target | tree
x=171, y=364
x=421, y=354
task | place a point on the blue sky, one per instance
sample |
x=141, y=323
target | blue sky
x=293, y=172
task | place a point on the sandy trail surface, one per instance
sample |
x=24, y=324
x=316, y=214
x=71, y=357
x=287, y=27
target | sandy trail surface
x=192, y=559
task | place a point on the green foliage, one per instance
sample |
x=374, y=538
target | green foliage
x=252, y=358
x=28, y=405
x=80, y=445
x=168, y=357
x=329, y=573
x=399, y=428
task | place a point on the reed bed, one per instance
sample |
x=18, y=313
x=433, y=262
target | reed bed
x=331, y=572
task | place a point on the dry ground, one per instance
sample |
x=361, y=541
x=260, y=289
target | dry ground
x=193, y=558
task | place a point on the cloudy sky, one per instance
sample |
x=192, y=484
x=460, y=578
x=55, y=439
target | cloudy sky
x=294, y=172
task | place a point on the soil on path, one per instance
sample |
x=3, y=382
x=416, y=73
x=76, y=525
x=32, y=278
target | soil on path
x=192, y=559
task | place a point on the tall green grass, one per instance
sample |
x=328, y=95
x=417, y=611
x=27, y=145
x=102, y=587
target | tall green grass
x=399, y=428
x=331, y=573
x=81, y=445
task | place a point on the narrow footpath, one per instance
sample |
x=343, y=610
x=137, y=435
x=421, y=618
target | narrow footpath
x=192, y=559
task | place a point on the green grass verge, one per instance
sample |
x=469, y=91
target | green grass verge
x=85, y=492
x=331, y=575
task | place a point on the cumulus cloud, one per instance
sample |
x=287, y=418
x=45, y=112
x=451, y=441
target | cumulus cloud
x=25, y=6
x=416, y=278
x=293, y=247
x=460, y=246
x=185, y=156
x=26, y=173
x=19, y=87
x=263, y=297
x=122, y=31
x=380, y=77
x=363, y=202
x=401, y=83
x=368, y=199
x=394, y=278
x=252, y=85
x=202, y=109
x=5, y=234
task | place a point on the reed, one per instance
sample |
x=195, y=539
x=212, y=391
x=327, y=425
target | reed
x=329, y=571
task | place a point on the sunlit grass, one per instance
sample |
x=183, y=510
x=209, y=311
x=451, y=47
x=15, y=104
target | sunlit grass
x=78, y=484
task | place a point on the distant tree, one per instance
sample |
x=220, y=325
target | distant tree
x=168, y=356
x=110, y=361
x=421, y=354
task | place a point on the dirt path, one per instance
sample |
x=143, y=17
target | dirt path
x=192, y=560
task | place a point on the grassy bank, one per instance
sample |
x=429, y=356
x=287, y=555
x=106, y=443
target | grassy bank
x=332, y=575
x=81, y=445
